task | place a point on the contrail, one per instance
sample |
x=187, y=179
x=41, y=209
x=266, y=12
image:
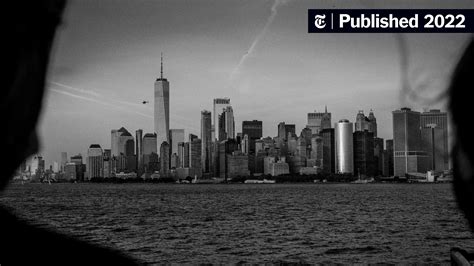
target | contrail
x=100, y=102
x=257, y=39
x=93, y=93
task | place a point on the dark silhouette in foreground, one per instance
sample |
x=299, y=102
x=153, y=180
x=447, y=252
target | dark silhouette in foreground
x=460, y=104
x=28, y=29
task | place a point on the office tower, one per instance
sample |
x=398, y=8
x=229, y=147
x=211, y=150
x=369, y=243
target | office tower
x=139, y=149
x=388, y=158
x=149, y=144
x=372, y=123
x=181, y=157
x=344, y=147
x=206, y=139
x=285, y=129
x=318, y=121
x=366, y=123
x=329, y=150
x=317, y=149
x=76, y=159
x=245, y=144
x=408, y=154
x=195, y=156
x=362, y=122
x=176, y=136
x=174, y=160
x=161, y=113
x=222, y=135
x=186, y=155
x=254, y=130
x=225, y=147
x=364, y=161
x=164, y=159
x=219, y=105
x=237, y=165
x=301, y=146
x=378, y=155
x=229, y=122
x=122, y=142
x=434, y=126
x=63, y=160
x=95, y=162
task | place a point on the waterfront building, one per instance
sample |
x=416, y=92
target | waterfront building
x=206, y=140
x=317, y=148
x=195, y=155
x=344, y=147
x=279, y=168
x=164, y=159
x=237, y=165
x=378, y=155
x=139, y=149
x=122, y=142
x=364, y=161
x=161, y=112
x=434, y=127
x=176, y=136
x=408, y=154
x=329, y=150
x=95, y=162
x=372, y=123
x=388, y=158
x=254, y=130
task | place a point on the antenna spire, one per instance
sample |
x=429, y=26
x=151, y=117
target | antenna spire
x=161, y=66
x=325, y=108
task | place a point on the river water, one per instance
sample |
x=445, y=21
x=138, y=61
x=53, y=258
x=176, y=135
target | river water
x=313, y=223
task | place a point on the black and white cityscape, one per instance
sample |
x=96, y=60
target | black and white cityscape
x=340, y=151
x=222, y=132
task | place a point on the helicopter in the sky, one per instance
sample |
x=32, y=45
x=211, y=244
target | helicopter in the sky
x=145, y=102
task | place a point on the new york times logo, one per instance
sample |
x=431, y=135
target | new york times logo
x=390, y=20
x=319, y=21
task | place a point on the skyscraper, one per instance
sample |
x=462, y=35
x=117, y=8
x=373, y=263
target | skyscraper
x=206, y=139
x=95, y=162
x=318, y=121
x=164, y=159
x=284, y=129
x=254, y=130
x=122, y=142
x=139, y=149
x=364, y=161
x=408, y=154
x=229, y=122
x=434, y=127
x=329, y=163
x=366, y=123
x=219, y=105
x=344, y=147
x=162, y=108
x=176, y=136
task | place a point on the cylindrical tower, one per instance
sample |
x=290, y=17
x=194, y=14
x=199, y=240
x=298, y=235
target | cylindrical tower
x=344, y=147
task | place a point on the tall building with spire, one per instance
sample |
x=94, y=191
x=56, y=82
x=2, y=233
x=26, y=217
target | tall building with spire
x=161, y=113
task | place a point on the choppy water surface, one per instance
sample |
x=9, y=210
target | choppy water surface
x=343, y=223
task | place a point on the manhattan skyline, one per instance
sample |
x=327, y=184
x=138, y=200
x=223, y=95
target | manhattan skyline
x=267, y=64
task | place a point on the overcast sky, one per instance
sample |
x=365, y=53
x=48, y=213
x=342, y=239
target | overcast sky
x=256, y=52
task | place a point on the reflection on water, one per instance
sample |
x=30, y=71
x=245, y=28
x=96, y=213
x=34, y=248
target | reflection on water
x=344, y=223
